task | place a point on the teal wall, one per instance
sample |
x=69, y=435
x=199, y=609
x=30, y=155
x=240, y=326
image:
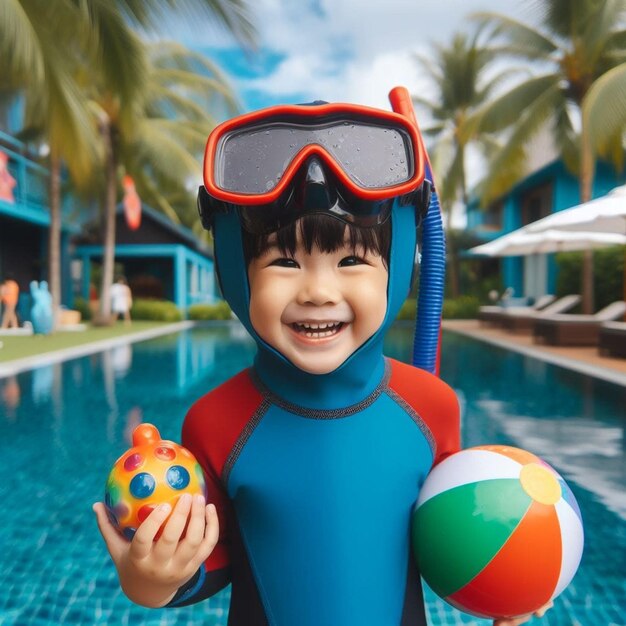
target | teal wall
x=565, y=188
x=189, y=279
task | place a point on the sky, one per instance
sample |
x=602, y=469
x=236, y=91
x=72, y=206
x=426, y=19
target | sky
x=337, y=50
x=342, y=51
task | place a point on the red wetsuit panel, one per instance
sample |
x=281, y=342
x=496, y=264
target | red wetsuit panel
x=434, y=401
x=213, y=425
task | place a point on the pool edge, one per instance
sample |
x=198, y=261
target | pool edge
x=536, y=353
x=10, y=368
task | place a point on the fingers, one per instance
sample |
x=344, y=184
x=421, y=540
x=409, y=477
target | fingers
x=202, y=533
x=523, y=619
x=115, y=543
x=142, y=543
x=168, y=542
x=542, y=611
x=195, y=529
x=190, y=517
x=211, y=533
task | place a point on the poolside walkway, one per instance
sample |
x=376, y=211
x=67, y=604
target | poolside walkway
x=585, y=360
x=15, y=366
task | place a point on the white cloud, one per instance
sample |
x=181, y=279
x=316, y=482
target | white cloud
x=348, y=50
x=356, y=50
x=357, y=81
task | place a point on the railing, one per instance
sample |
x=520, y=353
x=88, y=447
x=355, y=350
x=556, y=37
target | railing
x=31, y=189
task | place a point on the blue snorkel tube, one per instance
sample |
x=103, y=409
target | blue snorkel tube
x=433, y=263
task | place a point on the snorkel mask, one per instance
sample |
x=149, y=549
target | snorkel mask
x=351, y=162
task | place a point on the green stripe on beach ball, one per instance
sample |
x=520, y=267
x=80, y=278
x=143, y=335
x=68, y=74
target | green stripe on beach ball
x=457, y=533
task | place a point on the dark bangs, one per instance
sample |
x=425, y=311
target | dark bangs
x=323, y=232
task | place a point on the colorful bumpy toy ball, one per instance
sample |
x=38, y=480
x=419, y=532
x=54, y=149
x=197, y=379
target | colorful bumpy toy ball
x=496, y=532
x=152, y=472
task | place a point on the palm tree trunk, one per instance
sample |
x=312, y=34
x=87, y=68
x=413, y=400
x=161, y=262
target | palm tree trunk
x=587, y=167
x=108, y=259
x=54, y=234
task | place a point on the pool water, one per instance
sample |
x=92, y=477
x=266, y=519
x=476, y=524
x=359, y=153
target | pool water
x=63, y=425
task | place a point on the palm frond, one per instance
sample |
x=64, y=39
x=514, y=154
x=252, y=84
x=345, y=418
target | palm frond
x=191, y=82
x=505, y=110
x=424, y=102
x=598, y=27
x=453, y=178
x=603, y=110
x=486, y=90
x=152, y=195
x=234, y=15
x=20, y=50
x=508, y=164
x=156, y=146
x=566, y=138
x=162, y=101
x=524, y=40
x=121, y=59
x=616, y=42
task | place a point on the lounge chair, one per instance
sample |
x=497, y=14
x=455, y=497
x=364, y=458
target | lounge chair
x=576, y=330
x=612, y=339
x=492, y=314
x=525, y=322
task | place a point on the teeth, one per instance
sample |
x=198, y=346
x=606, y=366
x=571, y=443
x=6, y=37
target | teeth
x=328, y=333
x=320, y=326
x=317, y=329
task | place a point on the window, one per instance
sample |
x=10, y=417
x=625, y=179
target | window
x=492, y=216
x=536, y=203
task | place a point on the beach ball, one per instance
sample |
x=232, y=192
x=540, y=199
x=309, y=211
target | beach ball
x=496, y=532
x=154, y=471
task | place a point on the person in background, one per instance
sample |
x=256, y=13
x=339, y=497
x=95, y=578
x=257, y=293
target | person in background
x=9, y=294
x=121, y=300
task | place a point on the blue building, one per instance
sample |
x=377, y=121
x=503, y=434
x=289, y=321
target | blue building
x=25, y=220
x=549, y=189
x=160, y=259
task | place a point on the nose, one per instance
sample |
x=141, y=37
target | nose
x=319, y=287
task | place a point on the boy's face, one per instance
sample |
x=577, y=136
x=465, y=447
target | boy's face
x=317, y=309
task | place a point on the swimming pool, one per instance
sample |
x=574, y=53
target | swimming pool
x=63, y=425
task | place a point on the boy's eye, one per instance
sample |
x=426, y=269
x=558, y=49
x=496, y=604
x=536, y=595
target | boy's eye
x=351, y=260
x=285, y=262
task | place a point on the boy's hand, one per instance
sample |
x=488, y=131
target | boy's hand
x=525, y=618
x=150, y=571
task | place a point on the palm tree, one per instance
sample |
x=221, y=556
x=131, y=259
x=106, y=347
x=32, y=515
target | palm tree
x=463, y=81
x=101, y=55
x=121, y=85
x=32, y=61
x=165, y=153
x=578, y=53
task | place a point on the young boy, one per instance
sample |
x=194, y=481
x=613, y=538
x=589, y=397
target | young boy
x=315, y=456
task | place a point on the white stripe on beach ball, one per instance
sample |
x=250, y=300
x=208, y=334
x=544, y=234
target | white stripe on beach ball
x=465, y=467
x=572, y=537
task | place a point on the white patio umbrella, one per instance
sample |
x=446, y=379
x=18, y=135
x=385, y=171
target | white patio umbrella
x=522, y=242
x=606, y=214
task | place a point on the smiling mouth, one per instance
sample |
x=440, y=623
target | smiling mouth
x=319, y=330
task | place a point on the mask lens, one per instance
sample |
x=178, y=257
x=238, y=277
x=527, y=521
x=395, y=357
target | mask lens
x=253, y=160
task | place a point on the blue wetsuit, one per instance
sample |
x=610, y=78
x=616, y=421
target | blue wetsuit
x=315, y=476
